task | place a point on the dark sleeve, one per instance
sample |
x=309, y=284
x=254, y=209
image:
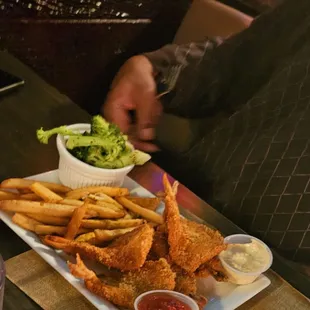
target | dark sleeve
x=227, y=75
x=184, y=55
x=189, y=57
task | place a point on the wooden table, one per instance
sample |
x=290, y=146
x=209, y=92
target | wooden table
x=37, y=104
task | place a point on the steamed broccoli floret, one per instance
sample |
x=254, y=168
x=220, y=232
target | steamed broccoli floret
x=95, y=154
x=97, y=146
x=101, y=128
x=104, y=146
x=44, y=135
x=127, y=158
x=82, y=141
x=79, y=152
x=99, y=159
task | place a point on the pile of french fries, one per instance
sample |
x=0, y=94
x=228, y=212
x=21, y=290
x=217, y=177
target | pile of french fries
x=94, y=214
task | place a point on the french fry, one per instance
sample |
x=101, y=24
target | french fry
x=88, y=237
x=89, y=201
x=105, y=198
x=25, y=221
x=37, y=207
x=75, y=222
x=78, y=203
x=30, y=196
x=85, y=191
x=72, y=202
x=17, y=183
x=128, y=216
x=45, y=193
x=108, y=235
x=23, y=191
x=4, y=195
x=49, y=220
x=152, y=224
x=54, y=209
x=147, y=214
x=108, y=224
x=108, y=205
x=102, y=212
x=58, y=230
x=133, y=215
x=145, y=202
x=8, y=195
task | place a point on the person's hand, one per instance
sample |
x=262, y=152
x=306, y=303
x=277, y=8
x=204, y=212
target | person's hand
x=134, y=89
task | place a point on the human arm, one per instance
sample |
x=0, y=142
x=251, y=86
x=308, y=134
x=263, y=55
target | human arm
x=134, y=89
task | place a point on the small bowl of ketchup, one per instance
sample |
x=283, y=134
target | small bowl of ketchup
x=164, y=300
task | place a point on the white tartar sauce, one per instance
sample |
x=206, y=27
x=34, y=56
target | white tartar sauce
x=250, y=257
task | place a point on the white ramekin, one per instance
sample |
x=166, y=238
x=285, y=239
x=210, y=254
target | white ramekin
x=181, y=297
x=75, y=173
x=237, y=276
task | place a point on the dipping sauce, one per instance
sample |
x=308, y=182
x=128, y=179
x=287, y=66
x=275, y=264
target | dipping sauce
x=162, y=301
x=250, y=257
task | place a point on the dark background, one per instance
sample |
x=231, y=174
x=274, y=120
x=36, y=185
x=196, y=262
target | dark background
x=78, y=45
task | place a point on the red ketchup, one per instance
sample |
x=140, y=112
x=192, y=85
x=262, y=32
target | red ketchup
x=161, y=301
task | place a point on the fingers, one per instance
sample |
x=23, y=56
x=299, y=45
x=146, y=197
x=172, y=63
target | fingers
x=147, y=134
x=116, y=110
x=118, y=116
x=148, y=113
x=134, y=89
x=145, y=146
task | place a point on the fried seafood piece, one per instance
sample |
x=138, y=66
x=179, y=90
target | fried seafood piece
x=190, y=244
x=128, y=252
x=185, y=282
x=212, y=268
x=203, y=271
x=154, y=275
x=160, y=246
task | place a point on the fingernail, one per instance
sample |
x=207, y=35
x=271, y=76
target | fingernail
x=147, y=134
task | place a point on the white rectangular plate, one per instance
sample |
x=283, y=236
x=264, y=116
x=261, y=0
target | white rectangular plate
x=225, y=296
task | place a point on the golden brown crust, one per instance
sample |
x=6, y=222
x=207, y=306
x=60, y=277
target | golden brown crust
x=212, y=268
x=128, y=252
x=190, y=244
x=154, y=275
x=185, y=282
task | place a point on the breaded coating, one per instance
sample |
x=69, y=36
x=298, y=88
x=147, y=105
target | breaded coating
x=128, y=252
x=154, y=275
x=190, y=244
x=160, y=246
x=214, y=268
x=185, y=282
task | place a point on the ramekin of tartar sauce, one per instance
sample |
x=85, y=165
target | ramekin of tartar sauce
x=245, y=258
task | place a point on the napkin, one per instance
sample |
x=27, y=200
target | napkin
x=30, y=273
